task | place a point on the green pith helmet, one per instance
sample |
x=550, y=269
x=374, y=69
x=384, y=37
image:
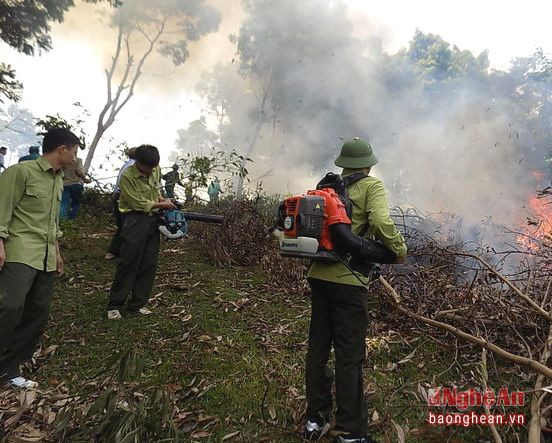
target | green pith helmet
x=356, y=154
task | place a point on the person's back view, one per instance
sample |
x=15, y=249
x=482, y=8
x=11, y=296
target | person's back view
x=339, y=318
x=73, y=187
x=34, y=153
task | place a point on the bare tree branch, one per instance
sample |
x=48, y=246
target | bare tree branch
x=523, y=361
x=503, y=279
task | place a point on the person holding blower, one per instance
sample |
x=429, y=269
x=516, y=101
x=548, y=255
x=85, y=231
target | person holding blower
x=339, y=316
x=139, y=203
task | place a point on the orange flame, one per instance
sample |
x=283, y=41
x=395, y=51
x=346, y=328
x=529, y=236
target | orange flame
x=538, y=227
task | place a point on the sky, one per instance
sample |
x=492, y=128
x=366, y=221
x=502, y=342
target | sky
x=74, y=70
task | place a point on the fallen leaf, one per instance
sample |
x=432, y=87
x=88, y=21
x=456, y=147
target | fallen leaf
x=232, y=434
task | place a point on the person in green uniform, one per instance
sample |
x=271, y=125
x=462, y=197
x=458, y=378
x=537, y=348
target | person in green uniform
x=339, y=317
x=29, y=251
x=139, y=202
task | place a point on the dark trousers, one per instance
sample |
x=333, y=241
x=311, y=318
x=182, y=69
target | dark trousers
x=70, y=201
x=115, y=245
x=137, y=263
x=339, y=318
x=169, y=191
x=25, y=297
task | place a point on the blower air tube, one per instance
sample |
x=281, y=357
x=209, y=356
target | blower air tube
x=207, y=218
x=360, y=248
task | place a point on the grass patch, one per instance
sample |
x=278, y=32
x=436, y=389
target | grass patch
x=229, y=351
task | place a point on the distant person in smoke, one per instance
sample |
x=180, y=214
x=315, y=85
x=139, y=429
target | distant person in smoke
x=29, y=251
x=214, y=190
x=172, y=178
x=73, y=187
x=339, y=316
x=115, y=246
x=3, y=152
x=139, y=203
x=34, y=153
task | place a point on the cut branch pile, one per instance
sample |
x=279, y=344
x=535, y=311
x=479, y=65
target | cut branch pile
x=242, y=240
x=484, y=297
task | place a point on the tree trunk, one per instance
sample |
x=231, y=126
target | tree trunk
x=262, y=120
x=115, y=102
x=92, y=149
x=239, y=188
x=536, y=422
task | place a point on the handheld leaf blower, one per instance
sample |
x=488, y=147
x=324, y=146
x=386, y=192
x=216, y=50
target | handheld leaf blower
x=173, y=223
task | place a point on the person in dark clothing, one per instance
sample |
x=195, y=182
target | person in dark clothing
x=29, y=252
x=172, y=178
x=33, y=154
x=3, y=152
x=139, y=202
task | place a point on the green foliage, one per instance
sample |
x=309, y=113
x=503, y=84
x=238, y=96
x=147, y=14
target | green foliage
x=56, y=121
x=200, y=169
x=25, y=25
x=190, y=20
x=438, y=60
x=10, y=87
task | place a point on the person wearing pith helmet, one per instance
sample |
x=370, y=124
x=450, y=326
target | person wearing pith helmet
x=338, y=316
x=356, y=154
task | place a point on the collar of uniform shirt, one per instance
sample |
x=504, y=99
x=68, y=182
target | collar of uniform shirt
x=46, y=166
x=136, y=172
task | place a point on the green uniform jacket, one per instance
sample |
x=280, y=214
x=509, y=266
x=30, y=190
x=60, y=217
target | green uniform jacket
x=138, y=192
x=30, y=195
x=369, y=206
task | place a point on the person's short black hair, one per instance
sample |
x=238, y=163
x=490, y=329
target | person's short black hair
x=34, y=150
x=132, y=153
x=57, y=137
x=147, y=155
x=3, y=147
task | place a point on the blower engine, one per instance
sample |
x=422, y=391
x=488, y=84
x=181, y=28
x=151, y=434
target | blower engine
x=317, y=226
x=173, y=223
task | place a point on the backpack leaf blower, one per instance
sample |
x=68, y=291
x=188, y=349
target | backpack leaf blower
x=317, y=226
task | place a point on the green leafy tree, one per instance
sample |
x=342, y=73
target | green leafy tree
x=199, y=170
x=438, y=60
x=56, y=121
x=25, y=26
x=10, y=87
